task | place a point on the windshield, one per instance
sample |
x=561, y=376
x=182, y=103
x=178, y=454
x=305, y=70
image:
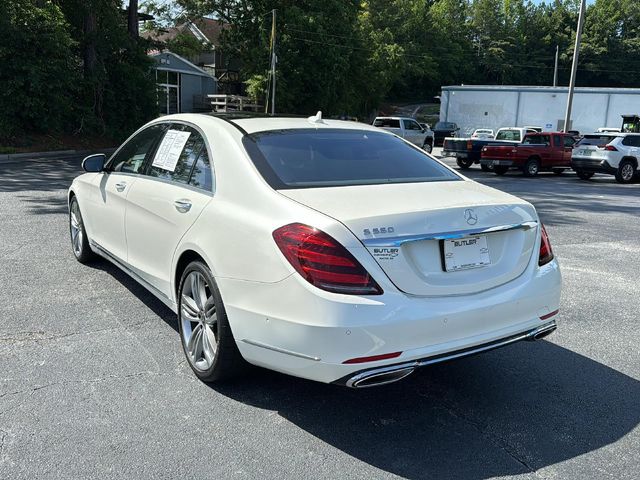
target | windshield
x=306, y=158
x=598, y=140
x=445, y=126
x=513, y=135
x=386, y=122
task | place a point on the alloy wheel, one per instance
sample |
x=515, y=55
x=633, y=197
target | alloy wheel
x=627, y=172
x=77, y=236
x=199, y=321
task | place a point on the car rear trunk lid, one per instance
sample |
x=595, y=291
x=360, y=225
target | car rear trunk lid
x=407, y=227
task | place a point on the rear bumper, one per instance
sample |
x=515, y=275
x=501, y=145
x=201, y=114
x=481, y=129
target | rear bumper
x=592, y=165
x=294, y=328
x=500, y=162
x=455, y=154
x=380, y=376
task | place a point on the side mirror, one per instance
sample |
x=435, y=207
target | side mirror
x=94, y=163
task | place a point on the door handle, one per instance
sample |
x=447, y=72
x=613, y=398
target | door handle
x=183, y=205
x=121, y=186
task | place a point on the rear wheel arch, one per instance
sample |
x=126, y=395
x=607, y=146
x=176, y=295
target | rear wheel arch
x=633, y=160
x=184, y=260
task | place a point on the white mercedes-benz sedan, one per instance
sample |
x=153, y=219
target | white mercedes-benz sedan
x=328, y=250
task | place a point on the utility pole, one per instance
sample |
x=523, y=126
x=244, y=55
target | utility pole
x=555, y=69
x=273, y=62
x=574, y=66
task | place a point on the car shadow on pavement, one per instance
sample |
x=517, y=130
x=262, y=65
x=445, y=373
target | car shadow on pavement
x=140, y=292
x=511, y=411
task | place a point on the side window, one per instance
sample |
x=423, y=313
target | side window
x=416, y=126
x=557, y=141
x=201, y=174
x=569, y=141
x=131, y=157
x=177, y=154
x=631, y=141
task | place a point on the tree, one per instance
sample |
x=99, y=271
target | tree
x=38, y=78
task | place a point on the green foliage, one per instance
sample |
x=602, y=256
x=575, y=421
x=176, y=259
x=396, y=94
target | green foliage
x=38, y=74
x=46, y=83
x=186, y=45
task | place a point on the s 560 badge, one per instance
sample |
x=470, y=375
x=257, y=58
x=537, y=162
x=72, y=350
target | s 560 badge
x=378, y=230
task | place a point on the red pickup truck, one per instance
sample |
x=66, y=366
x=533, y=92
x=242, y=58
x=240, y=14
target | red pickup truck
x=537, y=152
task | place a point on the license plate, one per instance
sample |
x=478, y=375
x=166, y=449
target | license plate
x=586, y=153
x=466, y=253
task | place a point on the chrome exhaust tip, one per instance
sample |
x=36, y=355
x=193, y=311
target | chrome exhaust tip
x=541, y=332
x=381, y=376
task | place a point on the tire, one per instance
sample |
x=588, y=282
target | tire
x=500, y=169
x=582, y=175
x=485, y=168
x=531, y=168
x=626, y=172
x=558, y=171
x=464, y=163
x=79, y=239
x=205, y=334
x=427, y=147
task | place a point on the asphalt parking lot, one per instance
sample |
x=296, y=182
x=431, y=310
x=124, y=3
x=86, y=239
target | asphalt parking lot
x=93, y=383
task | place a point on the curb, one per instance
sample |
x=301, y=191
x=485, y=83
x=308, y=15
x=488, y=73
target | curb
x=33, y=156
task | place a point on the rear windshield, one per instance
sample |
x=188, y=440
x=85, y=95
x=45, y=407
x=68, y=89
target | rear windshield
x=537, y=140
x=598, y=140
x=445, y=126
x=386, y=122
x=513, y=135
x=306, y=158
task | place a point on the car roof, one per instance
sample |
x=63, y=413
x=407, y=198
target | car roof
x=252, y=123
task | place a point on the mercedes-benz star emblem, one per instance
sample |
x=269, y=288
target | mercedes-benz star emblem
x=470, y=216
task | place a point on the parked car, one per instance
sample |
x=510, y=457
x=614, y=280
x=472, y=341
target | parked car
x=550, y=151
x=324, y=249
x=483, y=133
x=467, y=151
x=442, y=130
x=409, y=129
x=613, y=153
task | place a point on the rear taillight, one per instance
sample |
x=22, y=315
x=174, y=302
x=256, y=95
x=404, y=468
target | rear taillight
x=323, y=262
x=610, y=148
x=469, y=145
x=546, y=254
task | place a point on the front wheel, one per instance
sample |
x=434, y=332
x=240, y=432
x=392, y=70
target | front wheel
x=79, y=239
x=464, y=163
x=205, y=333
x=427, y=147
x=626, y=172
x=500, y=169
x=582, y=175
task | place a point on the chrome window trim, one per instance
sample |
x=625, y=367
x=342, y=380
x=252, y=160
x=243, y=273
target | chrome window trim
x=399, y=240
x=170, y=182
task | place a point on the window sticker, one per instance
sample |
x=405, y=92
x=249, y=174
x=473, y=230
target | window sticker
x=170, y=149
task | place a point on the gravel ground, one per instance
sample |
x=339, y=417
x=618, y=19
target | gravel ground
x=93, y=383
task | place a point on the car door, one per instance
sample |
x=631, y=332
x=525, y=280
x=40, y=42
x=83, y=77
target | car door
x=413, y=132
x=106, y=207
x=165, y=202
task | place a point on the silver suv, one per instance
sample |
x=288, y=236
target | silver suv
x=613, y=153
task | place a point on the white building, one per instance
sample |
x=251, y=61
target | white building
x=480, y=106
